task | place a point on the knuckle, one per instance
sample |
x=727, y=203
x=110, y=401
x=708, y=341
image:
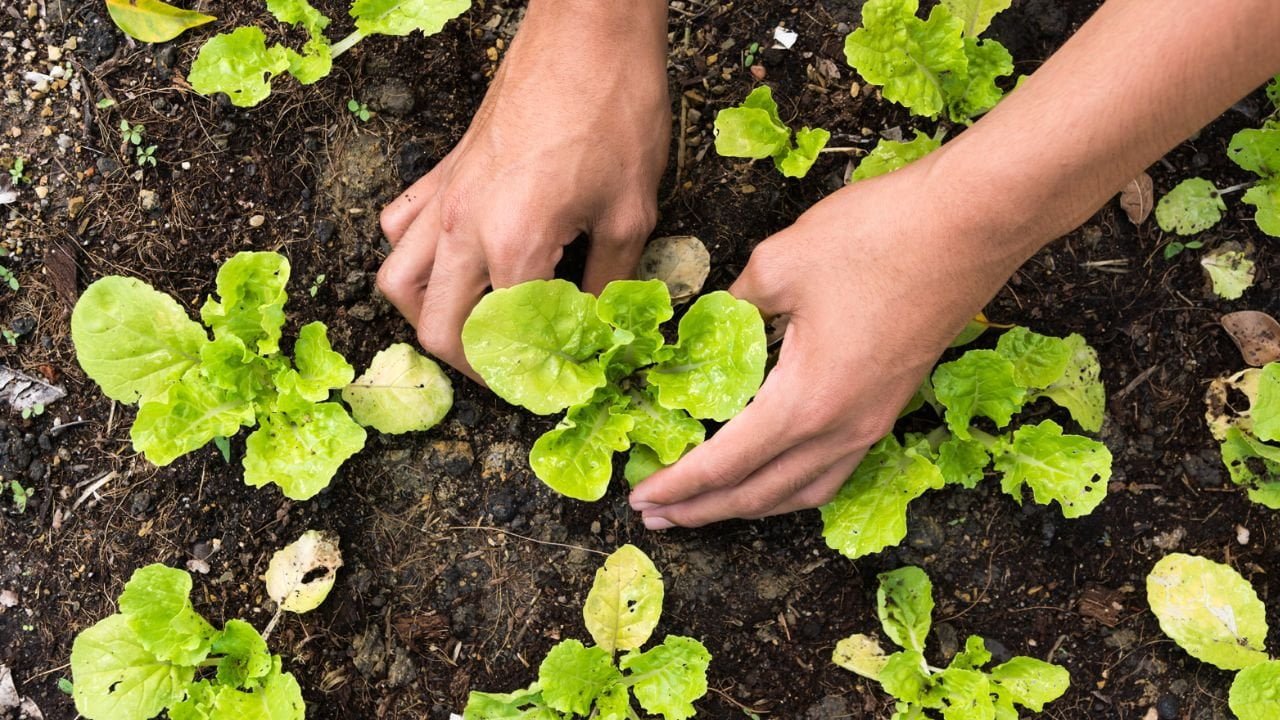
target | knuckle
x=453, y=210
x=394, y=278
x=752, y=502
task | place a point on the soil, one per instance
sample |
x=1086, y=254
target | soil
x=461, y=568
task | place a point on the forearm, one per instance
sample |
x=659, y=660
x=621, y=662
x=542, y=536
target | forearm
x=596, y=27
x=1138, y=78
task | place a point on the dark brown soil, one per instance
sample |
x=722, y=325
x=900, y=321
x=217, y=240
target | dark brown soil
x=461, y=568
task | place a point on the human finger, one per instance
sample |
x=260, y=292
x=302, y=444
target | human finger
x=398, y=216
x=403, y=277
x=458, y=280
x=615, y=251
x=764, y=281
x=821, y=491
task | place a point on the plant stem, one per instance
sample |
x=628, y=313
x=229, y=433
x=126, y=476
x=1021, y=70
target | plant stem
x=1234, y=188
x=266, y=634
x=842, y=150
x=988, y=441
x=345, y=44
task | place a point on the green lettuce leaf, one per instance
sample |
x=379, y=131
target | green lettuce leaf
x=636, y=308
x=1031, y=683
x=962, y=462
x=904, y=676
x=870, y=511
x=536, y=344
x=251, y=288
x=669, y=433
x=225, y=364
x=277, y=697
x=670, y=677
x=1080, y=388
x=313, y=63
x=718, y=363
x=402, y=391
x=1257, y=150
x=860, y=654
x=625, y=601
x=1209, y=610
x=642, y=462
x=1273, y=92
x=979, y=383
x=1038, y=360
x=974, y=91
x=798, y=160
x=401, y=17
x=186, y=418
x=518, y=705
x=1071, y=469
x=576, y=458
x=973, y=656
x=1230, y=271
x=615, y=703
x=752, y=129
x=116, y=678
x=158, y=604
x=976, y=14
x=906, y=55
x=239, y=64
x=1253, y=693
x=1265, y=197
x=1192, y=206
x=904, y=602
x=301, y=452
x=132, y=340
x=1253, y=465
x=961, y=693
x=244, y=652
x=889, y=155
x=319, y=368
x=153, y=21
x=572, y=676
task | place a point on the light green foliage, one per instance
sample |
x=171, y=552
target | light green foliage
x=934, y=65
x=402, y=391
x=889, y=155
x=598, y=681
x=1265, y=197
x=1273, y=92
x=1254, y=694
x=153, y=21
x=1209, y=610
x=241, y=64
x=755, y=130
x=1244, y=433
x=1192, y=206
x=7, y=278
x=869, y=512
x=150, y=656
x=1258, y=151
x=140, y=346
x=961, y=691
x=1231, y=271
x=548, y=346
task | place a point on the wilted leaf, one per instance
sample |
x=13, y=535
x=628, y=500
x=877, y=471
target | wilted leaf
x=1230, y=269
x=22, y=391
x=1257, y=334
x=1138, y=199
x=153, y=21
x=300, y=576
x=680, y=261
x=1219, y=413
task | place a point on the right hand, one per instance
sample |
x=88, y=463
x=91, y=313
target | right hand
x=572, y=138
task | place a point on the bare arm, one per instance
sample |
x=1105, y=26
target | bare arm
x=878, y=277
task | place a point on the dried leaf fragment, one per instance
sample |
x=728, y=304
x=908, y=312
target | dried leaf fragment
x=1138, y=199
x=1256, y=333
x=21, y=391
x=301, y=575
x=680, y=261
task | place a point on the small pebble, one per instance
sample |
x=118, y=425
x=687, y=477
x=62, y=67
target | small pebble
x=1242, y=535
x=256, y=221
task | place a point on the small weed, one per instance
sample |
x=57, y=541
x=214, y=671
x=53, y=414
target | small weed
x=1175, y=247
x=34, y=411
x=359, y=109
x=749, y=57
x=8, y=278
x=132, y=134
x=105, y=103
x=315, y=285
x=18, y=172
x=146, y=155
x=20, y=496
x=9, y=336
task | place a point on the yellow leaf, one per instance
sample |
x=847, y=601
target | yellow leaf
x=152, y=20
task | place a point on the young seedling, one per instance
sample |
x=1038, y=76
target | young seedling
x=18, y=171
x=132, y=134
x=1174, y=248
x=315, y=285
x=1247, y=435
x=962, y=690
x=9, y=336
x=870, y=512
x=580, y=681
x=159, y=654
x=1214, y=614
x=359, y=109
x=241, y=64
x=755, y=130
x=890, y=155
x=935, y=66
x=21, y=496
x=145, y=155
x=34, y=411
x=7, y=278
x=547, y=346
x=140, y=347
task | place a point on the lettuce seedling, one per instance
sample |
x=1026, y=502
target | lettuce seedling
x=1247, y=435
x=576, y=680
x=890, y=155
x=870, y=512
x=159, y=654
x=241, y=64
x=1213, y=613
x=547, y=346
x=755, y=130
x=933, y=66
x=140, y=347
x=1195, y=204
x=962, y=690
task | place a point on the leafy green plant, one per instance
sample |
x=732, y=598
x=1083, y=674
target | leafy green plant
x=1247, y=435
x=870, y=512
x=145, y=155
x=140, y=347
x=21, y=496
x=1213, y=613
x=132, y=134
x=547, y=346
x=962, y=690
x=933, y=66
x=159, y=654
x=8, y=278
x=755, y=130
x=890, y=155
x=18, y=171
x=359, y=109
x=241, y=64
x=576, y=680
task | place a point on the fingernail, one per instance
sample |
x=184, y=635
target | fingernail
x=657, y=523
x=641, y=506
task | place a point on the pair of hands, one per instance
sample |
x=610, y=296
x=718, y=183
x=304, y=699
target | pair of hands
x=568, y=145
